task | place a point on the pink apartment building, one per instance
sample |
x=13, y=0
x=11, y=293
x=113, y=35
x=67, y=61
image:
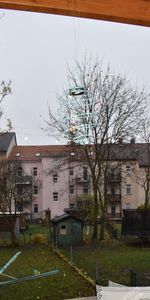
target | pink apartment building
x=59, y=176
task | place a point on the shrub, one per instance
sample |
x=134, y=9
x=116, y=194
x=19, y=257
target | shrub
x=38, y=239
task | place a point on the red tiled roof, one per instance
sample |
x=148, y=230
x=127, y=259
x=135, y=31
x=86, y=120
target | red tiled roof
x=36, y=152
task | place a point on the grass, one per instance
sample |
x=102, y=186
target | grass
x=61, y=286
x=115, y=262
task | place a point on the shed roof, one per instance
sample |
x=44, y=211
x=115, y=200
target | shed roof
x=65, y=217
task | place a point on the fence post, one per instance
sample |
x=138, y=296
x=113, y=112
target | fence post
x=133, y=278
x=97, y=275
x=71, y=254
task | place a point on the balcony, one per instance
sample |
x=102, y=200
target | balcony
x=24, y=180
x=114, y=198
x=114, y=178
x=82, y=180
x=114, y=216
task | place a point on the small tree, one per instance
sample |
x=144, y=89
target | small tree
x=10, y=195
x=144, y=179
x=98, y=108
x=5, y=90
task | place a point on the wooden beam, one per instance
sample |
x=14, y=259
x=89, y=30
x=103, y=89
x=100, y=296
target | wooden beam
x=125, y=11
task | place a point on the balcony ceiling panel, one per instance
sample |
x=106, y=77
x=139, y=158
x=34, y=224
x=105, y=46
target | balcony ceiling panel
x=129, y=11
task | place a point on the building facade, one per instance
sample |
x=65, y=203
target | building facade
x=60, y=179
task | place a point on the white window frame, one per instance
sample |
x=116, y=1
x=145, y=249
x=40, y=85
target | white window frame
x=128, y=189
x=55, y=178
x=35, y=190
x=55, y=196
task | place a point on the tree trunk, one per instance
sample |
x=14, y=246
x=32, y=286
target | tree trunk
x=13, y=237
x=11, y=226
x=94, y=236
x=102, y=228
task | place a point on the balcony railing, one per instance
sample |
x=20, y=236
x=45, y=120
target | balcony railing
x=24, y=179
x=114, y=177
x=114, y=215
x=114, y=198
x=82, y=180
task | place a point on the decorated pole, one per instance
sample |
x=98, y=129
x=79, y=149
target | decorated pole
x=9, y=262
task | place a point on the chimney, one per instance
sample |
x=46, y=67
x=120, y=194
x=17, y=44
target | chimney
x=132, y=141
x=120, y=141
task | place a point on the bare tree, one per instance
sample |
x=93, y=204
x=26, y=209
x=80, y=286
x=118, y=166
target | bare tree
x=143, y=179
x=5, y=90
x=98, y=108
x=15, y=191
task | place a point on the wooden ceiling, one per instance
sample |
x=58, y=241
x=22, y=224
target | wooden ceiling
x=125, y=11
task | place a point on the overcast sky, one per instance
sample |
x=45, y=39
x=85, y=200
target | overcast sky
x=36, y=48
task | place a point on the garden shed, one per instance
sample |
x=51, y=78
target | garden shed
x=67, y=230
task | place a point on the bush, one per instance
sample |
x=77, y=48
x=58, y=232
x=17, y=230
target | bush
x=38, y=239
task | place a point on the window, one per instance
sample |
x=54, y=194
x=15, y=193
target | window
x=128, y=206
x=113, y=191
x=20, y=207
x=72, y=153
x=35, y=190
x=70, y=171
x=17, y=154
x=85, y=187
x=37, y=154
x=63, y=229
x=72, y=205
x=113, y=210
x=128, y=189
x=35, y=208
x=112, y=174
x=91, y=153
x=55, y=178
x=128, y=169
x=19, y=190
x=71, y=189
x=85, y=173
x=55, y=196
x=34, y=171
x=20, y=171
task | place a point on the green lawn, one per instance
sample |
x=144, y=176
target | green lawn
x=115, y=262
x=66, y=284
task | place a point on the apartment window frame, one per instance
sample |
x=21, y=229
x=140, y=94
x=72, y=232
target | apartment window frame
x=113, y=210
x=85, y=173
x=85, y=188
x=72, y=205
x=19, y=189
x=71, y=171
x=128, y=169
x=35, y=190
x=36, y=208
x=71, y=189
x=55, y=178
x=35, y=170
x=113, y=191
x=128, y=189
x=128, y=206
x=55, y=196
x=20, y=171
